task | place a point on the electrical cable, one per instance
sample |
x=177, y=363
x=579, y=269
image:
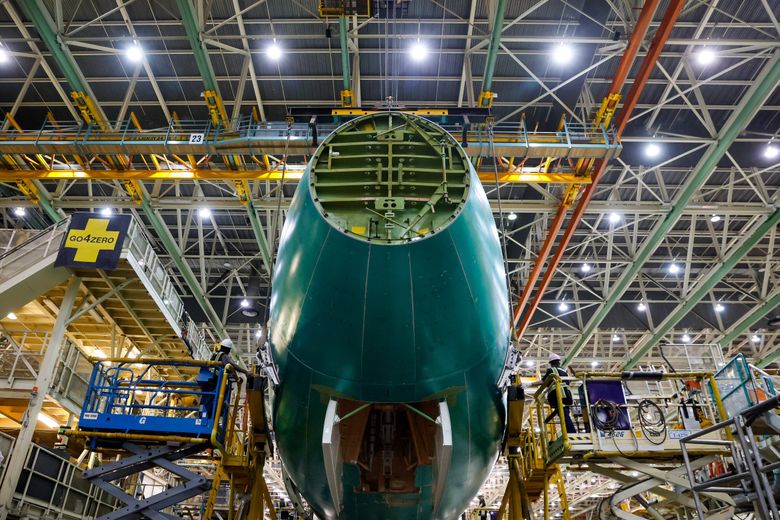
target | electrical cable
x=611, y=415
x=652, y=421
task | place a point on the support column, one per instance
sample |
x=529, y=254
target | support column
x=18, y=456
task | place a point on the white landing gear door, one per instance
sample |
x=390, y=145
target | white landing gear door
x=331, y=451
x=442, y=454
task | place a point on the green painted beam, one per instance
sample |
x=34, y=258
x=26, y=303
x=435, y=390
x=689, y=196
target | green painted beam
x=495, y=40
x=704, y=287
x=44, y=25
x=192, y=29
x=178, y=259
x=752, y=102
x=344, y=52
x=45, y=204
x=257, y=227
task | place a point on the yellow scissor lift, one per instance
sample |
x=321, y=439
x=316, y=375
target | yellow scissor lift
x=629, y=427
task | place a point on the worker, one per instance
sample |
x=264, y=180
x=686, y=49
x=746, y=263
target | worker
x=482, y=506
x=208, y=377
x=567, y=398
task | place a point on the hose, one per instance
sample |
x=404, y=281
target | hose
x=652, y=421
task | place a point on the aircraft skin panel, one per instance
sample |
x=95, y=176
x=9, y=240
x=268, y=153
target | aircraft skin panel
x=412, y=321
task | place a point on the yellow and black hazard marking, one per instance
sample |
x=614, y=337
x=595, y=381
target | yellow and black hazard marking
x=93, y=241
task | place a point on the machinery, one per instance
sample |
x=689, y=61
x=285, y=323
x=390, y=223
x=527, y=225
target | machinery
x=389, y=325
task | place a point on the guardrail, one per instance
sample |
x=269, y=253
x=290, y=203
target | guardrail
x=50, y=486
x=18, y=257
x=21, y=353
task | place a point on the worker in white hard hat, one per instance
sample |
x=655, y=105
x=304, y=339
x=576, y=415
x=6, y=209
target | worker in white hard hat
x=208, y=377
x=567, y=398
x=224, y=354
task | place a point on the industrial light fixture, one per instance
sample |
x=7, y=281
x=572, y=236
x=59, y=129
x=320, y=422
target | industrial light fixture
x=106, y=212
x=771, y=151
x=616, y=337
x=755, y=338
x=20, y=212
x=530, y=363
x=204, y=213
x=245, y=303
x=614, y=218
x=10, y=316
x=259, y=332
x=418, y=51
x=585, y=268
x=715, y=218
x=4, y=56
x=594, y=364
x=719, y=307
x=641, y=307
x=512, y=216
x=674, y=268
x=134, y=53
x=652, y=150
x=686, y=338
x=563, y=306
x=562, y=53
x=274, y=52
x=48, y=421
x=706, y=56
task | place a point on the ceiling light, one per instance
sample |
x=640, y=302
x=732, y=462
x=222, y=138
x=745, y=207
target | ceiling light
x=563, y=306
x=719, y=307
x=419, y=51
x=585, y=268
x=562, y=54
x=614, y=218
x=10, y=316
x=166, y=301
x=204, y=213
x=674, y=268
x=134, y=53
x=706, y=56
x=512, y=216
x=594, y=364
x=20, y=212
x=755, y=338
x=616, y=337
x=245, y=303
x=530, y=363
x=274, y=52
x=715, y=218
x=259, y=333
x=686, y=338
x=106, y=212
x=4, y=56
x=641, y=307
x=249, y=313
x=652, y=150
x=48, y=421
x=771, y=151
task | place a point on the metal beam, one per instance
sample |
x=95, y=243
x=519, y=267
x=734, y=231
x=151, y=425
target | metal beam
x=764, y=85
x=16, y=462
x=486, y=97
x=178, y=259
x=708, y=281
x=346, y=92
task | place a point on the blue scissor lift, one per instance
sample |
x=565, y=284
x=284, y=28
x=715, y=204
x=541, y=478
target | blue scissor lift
x=155, y=412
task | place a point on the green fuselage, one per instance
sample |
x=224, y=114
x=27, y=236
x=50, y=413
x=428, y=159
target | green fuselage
x=382, y=307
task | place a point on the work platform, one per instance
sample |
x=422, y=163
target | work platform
x=647, y=432
x=139, y=295
x=180, y=139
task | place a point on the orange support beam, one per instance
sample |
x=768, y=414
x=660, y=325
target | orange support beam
x=665, y=29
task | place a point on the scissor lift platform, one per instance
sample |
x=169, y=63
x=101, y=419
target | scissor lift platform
x=154, y=421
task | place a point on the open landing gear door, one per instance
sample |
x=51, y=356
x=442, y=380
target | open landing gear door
x=331, y=451
x=442, y=455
